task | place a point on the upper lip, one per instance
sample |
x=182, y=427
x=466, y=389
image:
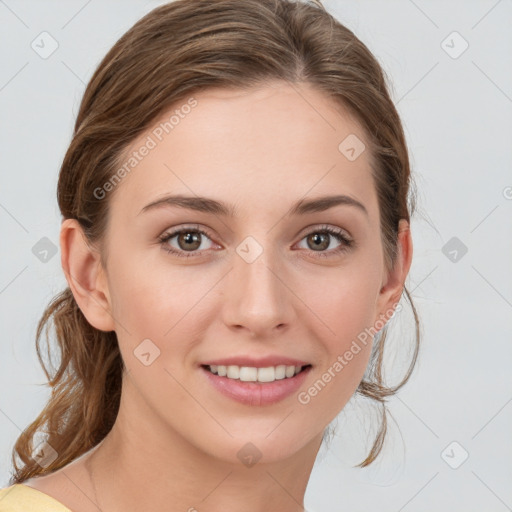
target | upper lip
x=257, y=362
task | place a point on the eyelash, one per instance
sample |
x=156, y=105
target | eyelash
x=346, y=243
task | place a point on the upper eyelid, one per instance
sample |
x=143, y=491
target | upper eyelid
x=304, y=232
x=320, y=227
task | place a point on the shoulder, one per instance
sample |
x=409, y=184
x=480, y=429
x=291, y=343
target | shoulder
x=22, y=498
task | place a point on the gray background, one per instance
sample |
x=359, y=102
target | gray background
x=456, y=108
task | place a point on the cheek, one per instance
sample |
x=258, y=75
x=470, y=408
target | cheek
x=159, y=302
x=141, y=292
x=346, y=307
x=344, y=301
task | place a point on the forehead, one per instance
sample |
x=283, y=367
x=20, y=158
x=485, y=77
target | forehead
x=262, y=147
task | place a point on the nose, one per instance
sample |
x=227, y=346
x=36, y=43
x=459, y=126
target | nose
x=257, y=298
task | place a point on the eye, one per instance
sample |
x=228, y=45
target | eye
x=188, y=239
x=320, y=240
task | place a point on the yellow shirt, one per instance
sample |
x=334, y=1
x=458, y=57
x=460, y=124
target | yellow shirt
x=22, y=498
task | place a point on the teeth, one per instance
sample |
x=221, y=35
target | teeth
x=252, y=374
x=248, y=374
x=280, y=372
x=233, y=372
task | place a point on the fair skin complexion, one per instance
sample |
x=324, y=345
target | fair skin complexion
x=175, y=441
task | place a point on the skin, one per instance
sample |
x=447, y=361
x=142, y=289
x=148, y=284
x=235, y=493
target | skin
x=174, y=444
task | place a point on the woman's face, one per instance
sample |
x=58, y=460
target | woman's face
x=264, y=281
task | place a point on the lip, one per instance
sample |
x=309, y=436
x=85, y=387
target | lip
x=257, y=362
x=256, y=393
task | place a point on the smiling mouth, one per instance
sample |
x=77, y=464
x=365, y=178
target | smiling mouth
x=253, y=374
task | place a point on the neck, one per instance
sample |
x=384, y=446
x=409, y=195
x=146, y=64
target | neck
x=138, y=469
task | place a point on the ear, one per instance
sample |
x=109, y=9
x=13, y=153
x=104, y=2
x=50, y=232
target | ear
x=392, y=288
x=85, y=276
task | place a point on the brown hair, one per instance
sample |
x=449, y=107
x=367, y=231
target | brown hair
x=180, y=48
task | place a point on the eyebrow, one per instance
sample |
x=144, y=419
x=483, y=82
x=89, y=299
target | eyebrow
x=207, y=205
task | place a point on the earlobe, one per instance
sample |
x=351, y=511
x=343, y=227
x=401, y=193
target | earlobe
x=392, y=289
x=84, y=274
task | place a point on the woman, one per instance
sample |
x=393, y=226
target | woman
x=235, y=237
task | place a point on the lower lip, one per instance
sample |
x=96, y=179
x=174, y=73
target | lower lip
x=257, y=393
